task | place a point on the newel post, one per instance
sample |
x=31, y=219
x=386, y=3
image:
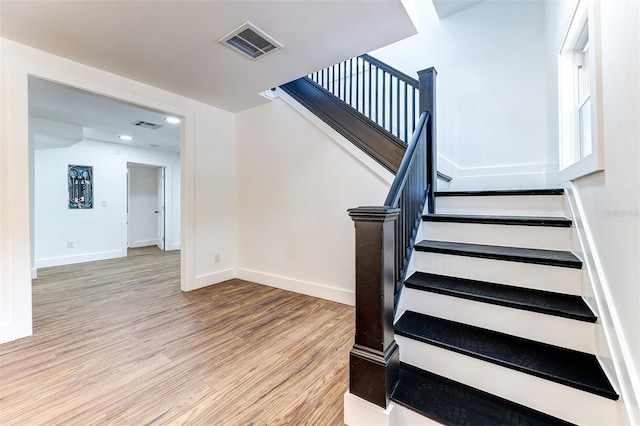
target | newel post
x=374, y=360
x=427, y=81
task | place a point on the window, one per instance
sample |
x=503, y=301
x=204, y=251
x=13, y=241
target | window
x=578, y=73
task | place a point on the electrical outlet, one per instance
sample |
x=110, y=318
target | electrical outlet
x=216, y=258
x=69, y=244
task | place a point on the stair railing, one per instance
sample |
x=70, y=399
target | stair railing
x=384, y=239
x=382, y=93
x=409, y=193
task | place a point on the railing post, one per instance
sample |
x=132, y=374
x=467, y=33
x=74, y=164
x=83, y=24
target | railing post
x=427, y=79
x=374, y=360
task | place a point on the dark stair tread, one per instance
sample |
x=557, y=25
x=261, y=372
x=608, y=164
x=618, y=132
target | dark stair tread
x=568, y=367
x=515, y=254
x=562, y=305
x=500, y=192
x=563, y=222
x=454, y=403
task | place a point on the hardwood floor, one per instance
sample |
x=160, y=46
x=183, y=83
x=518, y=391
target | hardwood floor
x=116, y=342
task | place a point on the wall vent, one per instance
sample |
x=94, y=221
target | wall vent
x=250, y=41
x=146, y=125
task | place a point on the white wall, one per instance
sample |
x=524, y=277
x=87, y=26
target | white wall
x=295, y=184
x=609, y=201
x=491, y=90
x=98, y=233
x=208, y=175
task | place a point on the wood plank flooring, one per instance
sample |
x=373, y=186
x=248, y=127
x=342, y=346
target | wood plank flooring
x=117, y=343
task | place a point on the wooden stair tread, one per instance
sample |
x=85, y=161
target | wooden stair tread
x=563, y=222
x=499, y=192
x=454, y=403
x=514, y=254
x=562, y=305
x=568, y=367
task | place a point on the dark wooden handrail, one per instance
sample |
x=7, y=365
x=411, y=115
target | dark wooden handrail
x=401, y=176
x=409, y=192
x=391, y=70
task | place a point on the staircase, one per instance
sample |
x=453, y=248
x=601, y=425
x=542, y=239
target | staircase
x=490, y=324
x=468, y=304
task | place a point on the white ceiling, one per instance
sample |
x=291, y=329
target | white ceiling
x=173, y=44
x=97, y=117
x=446, y=8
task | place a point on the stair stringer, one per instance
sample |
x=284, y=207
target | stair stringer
x=611, y=348
x=599, y=411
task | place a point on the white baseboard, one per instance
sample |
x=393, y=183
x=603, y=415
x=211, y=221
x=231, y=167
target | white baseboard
x=304, y=287
x=143, y=243
x=358, y=412
x=173, y=246
x=10, y=331
x=78, y=258
x=205, y=280
x=510, y=176
x=619, y=367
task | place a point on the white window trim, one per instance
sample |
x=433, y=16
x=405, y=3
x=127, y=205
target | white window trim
x=586, y=11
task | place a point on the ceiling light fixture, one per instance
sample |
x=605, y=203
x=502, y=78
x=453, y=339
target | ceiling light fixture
x=172, y=120
x=126, y=137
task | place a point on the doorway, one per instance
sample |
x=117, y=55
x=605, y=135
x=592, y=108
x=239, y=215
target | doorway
x=146, y=206
x=69, y=126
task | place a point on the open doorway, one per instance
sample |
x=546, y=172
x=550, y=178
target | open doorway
x=146, y=226
x=71, y=127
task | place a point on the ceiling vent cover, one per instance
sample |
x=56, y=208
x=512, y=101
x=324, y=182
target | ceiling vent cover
x=146, y=125
x=250, y=41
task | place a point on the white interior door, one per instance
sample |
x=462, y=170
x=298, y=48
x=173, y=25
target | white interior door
x=160, y=209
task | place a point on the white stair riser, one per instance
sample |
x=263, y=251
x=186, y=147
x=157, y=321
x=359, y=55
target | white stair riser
x=539, y=237
x=528, y=275
x=555, y=399
x=554, y=330
x=516, y=205
x=402, y=416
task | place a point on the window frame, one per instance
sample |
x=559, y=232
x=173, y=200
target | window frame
x=572, y=163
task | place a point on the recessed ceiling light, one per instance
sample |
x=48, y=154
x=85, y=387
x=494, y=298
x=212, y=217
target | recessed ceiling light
x=126, y=137
x=172, y=120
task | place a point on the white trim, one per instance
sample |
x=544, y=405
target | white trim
x=213, y=278
x=187, y=204
x=624, y=373
x=509, y=176
x=585, y=11
x=384, y=175
x=358, y=412
x=143, y=243
x=298, y=286
x=21, y=62
x=79, y=258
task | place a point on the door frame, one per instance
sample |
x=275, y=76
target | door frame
x=161, y=173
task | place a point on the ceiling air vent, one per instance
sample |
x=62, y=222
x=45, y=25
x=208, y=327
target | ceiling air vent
x=250, y=41
x=146, y=125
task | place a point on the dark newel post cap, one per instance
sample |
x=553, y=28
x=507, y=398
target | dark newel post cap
x=374, y=213
x=428, y=70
